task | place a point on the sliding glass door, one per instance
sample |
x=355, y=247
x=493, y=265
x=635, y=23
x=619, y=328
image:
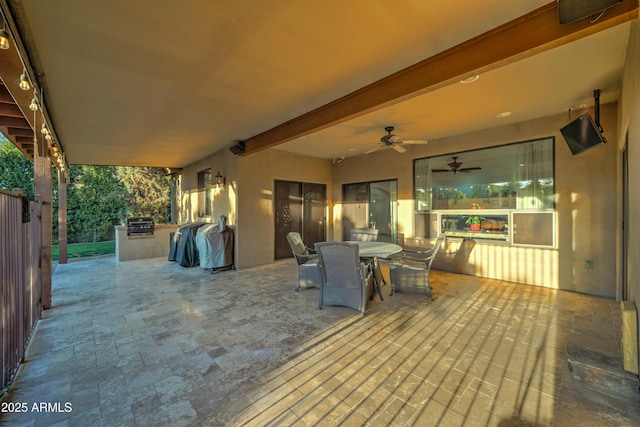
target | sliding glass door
x=371, y=205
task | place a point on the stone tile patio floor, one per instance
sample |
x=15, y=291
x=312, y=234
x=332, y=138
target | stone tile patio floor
x=149, y=343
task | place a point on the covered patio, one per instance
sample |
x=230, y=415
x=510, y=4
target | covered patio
x=151, y=343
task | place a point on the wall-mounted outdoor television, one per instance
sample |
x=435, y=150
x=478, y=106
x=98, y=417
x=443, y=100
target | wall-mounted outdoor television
x=582, y=134
x=573, y=10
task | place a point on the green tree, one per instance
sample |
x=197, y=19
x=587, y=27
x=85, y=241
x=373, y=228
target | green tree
x=147, y=192
x=98, y=197
x=95, y=203
x=17, y=169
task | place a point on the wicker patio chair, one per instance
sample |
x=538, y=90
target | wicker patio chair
x=308, y=268
x=364, y=234
x=409, y=270
x=346, y=281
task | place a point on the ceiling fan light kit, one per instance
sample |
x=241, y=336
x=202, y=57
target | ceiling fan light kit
x=394, y=142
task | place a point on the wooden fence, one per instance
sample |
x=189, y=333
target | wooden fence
x=20, y=285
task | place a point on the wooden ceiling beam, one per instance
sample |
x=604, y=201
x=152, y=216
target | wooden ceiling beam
x=10, y=110
x=24, y=139
x=20, y=132
x=530, y=34
x=16, y=122
x=10, y=69
x=5, y=96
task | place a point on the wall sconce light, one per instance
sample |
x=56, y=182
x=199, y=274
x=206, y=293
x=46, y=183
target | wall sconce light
x=24, y=81
x=4, y=39
x=220, y=180
x=238, y=148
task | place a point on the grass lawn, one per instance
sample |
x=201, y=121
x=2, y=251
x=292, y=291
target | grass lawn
x=81, y=250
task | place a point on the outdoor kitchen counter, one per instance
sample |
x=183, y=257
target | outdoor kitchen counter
x=130, y=248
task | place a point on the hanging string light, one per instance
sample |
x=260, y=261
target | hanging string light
x=4, y=38
x=24, y=81
x=33, y=106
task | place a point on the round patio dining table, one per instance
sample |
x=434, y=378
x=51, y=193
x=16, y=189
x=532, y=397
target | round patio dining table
x=377, y=249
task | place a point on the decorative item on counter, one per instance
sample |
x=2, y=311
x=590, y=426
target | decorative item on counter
x=473, y=221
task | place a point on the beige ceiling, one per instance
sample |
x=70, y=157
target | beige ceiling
x=165, y=83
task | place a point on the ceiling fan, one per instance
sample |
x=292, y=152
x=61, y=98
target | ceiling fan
x=393, y=141
x=455, y=167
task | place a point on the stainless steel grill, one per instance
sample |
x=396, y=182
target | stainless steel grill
x=140, y=226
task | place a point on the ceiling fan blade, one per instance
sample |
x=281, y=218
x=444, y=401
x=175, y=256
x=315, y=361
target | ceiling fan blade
x=415, y=141
x=399, y=148
x=469, y=169
x=374, y=149
x=440, y=170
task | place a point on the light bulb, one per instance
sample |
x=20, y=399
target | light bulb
x=34, y=105
x=4, y=39
x=24, y=82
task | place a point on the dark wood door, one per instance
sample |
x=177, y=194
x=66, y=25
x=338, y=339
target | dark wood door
x=299, y=207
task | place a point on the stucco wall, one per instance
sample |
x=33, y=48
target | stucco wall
x=256, y=175
x=224, y=200
x=629, y=125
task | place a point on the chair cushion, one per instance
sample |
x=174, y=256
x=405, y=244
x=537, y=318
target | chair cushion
x=296, y=243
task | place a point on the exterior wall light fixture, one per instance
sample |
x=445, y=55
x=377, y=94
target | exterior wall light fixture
x=220, y=180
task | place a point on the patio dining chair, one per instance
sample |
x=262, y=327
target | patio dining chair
x=409, y=270
x=308, y=268
x=364, y=234
x=346, y=280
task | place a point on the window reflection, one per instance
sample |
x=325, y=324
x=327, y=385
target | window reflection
x=514, y=176
x=204, y=193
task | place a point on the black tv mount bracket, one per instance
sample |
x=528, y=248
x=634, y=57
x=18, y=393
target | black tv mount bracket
x=596, y=97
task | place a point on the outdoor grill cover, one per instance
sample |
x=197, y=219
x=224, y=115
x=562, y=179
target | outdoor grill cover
x=215, y=244
x=183, y=247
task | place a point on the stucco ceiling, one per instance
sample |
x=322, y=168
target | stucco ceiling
x=165, y=83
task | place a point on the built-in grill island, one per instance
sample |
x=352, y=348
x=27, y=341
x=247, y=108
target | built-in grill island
x=140, y=226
